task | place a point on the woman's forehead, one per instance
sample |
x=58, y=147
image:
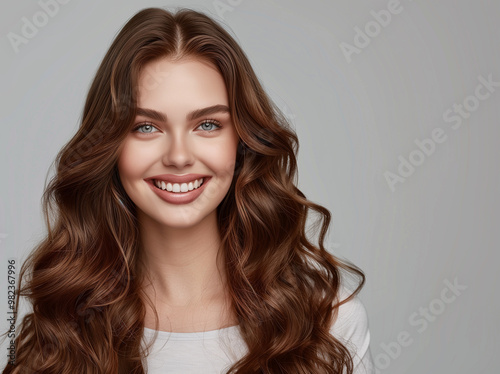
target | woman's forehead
x=189, y=80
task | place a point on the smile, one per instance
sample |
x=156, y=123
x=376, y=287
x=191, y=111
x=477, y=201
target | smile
x=179, y=193
x=178, y=187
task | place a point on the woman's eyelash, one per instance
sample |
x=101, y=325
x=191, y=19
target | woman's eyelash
x=144, y=124
x=212, y=122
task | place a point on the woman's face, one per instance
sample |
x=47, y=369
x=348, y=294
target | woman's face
x=183, y=127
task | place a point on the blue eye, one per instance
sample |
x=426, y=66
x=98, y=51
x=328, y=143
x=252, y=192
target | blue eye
x=146, y=128
x=207, y=125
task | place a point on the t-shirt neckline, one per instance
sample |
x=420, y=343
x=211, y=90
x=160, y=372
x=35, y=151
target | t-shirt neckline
x=210, y=334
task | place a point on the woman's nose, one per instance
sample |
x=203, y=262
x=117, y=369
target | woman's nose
x=178, y=152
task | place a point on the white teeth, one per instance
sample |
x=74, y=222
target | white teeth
x=176, y=187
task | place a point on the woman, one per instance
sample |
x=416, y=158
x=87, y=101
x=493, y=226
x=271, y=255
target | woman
x=176, y=235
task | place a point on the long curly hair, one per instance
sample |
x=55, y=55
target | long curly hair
x=84, y=279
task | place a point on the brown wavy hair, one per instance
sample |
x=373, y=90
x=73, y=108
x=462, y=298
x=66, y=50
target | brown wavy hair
x=84, y=279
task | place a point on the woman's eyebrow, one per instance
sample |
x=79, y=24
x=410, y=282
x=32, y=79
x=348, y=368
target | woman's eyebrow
x=159, y=116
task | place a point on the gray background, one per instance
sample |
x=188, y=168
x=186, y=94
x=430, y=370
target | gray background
x=354, y=119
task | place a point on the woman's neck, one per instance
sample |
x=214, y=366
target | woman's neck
x=185, y=279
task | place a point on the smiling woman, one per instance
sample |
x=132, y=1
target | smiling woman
x=171, y=134
x=176, y=234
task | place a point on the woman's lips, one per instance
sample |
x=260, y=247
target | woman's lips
x=189, y=185
x=179, y=197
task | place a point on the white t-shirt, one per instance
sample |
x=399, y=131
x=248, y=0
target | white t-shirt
x=216, y=350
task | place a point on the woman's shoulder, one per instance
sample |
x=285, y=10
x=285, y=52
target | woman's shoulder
x=351, y=327
x=352, y=316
